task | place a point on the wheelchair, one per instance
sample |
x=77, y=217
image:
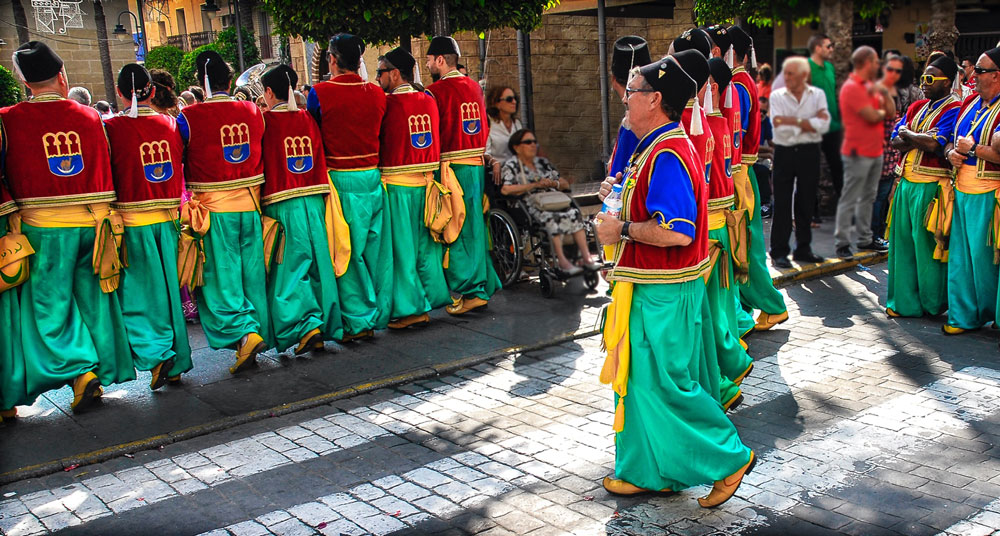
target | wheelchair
x=518, y=242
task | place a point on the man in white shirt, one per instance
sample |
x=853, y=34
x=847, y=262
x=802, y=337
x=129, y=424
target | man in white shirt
x=800, y=117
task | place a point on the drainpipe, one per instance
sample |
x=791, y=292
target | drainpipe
x=602, y=52
x=524, y=77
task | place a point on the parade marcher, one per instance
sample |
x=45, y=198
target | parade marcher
x=224, y=170
x=972, y=270
x=463, y=134
x=301, y=280
x=694, y=119
x=147, y=166
x=59, y=171
x=12, y=381
x=758, y=291
x=630, y=51
x=409, y=155
x=349, y=111
x=918, y=273
x=665, y=380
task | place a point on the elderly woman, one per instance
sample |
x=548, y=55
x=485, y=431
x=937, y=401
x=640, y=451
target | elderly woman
x=526, y=173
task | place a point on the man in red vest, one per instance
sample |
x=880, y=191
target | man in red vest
x=666, y=380
x=59, y=171
x=409, y=155
x=349, y=111
x=301, y=284
x=147, y=168
x=224, y=170
x=463, y=141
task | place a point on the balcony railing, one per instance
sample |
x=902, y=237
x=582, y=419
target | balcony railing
x=191, y=41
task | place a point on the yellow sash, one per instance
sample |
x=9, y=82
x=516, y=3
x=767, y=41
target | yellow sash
x=616, y=341
x=274, y=242
x=968, y=182
x=14, y=252
x=715, y=251
x=147, y=217
x=737, y=222
x=109, y=228
x=449, y=233
x=196, y=219
x=338, y=234
x=744, y=191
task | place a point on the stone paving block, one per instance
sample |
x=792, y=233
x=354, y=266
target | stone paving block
x=272, y=518
x=313, y=513
x=438, y=506
x=248, y=528
x=519, y=522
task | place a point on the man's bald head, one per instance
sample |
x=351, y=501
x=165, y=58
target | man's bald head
x=865, y=62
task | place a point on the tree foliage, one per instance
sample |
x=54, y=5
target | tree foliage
x=188, y=71
x=766, y=13
x=226, y=43
x=384, y=21
x=165, y=57
x=10, y=89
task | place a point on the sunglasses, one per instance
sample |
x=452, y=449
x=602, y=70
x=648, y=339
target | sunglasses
x=893, y=70
x=527, y=142
x=380, y=72
x=984, y=70
x=629, y=91
x=509, y=99
x=929, y=79
x=830, y=45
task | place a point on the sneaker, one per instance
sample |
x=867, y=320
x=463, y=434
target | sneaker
x=765, y=211
x=875, y=245
x=844, y=252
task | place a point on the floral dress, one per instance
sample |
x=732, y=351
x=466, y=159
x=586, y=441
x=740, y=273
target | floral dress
x=565, y=221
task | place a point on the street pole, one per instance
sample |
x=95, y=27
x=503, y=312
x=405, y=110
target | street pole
x=239, y=35
x=142, y=30
x=602, y=52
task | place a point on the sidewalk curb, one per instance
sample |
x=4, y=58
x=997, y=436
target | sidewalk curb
x=154, y=442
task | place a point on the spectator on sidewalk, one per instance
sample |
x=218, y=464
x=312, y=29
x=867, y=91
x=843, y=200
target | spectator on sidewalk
x=865, y=105
x=892, y=71
x=765, y=159
x=822, y=75
x=800, y=117
x=501, y=108
x=79, y=94
x=765, y=75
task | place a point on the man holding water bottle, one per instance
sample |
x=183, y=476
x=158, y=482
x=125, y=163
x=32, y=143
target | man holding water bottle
x=661, y=356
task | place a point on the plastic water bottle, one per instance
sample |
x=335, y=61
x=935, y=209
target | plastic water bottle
x=613, y=202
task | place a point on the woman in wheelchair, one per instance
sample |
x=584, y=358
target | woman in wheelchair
x=527, y=174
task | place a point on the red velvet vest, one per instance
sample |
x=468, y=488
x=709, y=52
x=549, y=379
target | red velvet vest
x=704, y=143
x=146, y=160
x=7, y=204
x=720, y=184
x=734, y=119
x=410, y=136
x=645, y=263
x=351, y=116
x=293, y=156
x=223, y=150
x=920, y=119
x=57, y=153
x=984, y=169
x=464, y=128
x=750, y=143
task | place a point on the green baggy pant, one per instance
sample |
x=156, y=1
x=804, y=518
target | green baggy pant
x=302, y=290
x=470, y=271
x=675, y=434
x=233, y=300
x=13, y=389
x=151, y=298
x=759, y=292
x=918, y=284
x=68, y=325
x=972, y=276
x=418, y=283
x=733, y=359
x=366, y=288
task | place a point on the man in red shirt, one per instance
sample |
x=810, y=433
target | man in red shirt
x=864, y=106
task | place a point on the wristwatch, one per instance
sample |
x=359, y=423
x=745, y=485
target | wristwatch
x=625, y=235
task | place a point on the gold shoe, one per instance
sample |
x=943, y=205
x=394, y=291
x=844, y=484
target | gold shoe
x=618, y=486
x=412, y=320
x=8, y=415
x=724, y=489
x=734, y=402
x=174, y=380
x=744, y=344
x=86, y=389
x=892, y=314
x=366, y=334
x=246, y=355
x=766, y=321
x=464, y=305
x=309, y=341
x=159, y=374
x=739, y=379
x=948, y=329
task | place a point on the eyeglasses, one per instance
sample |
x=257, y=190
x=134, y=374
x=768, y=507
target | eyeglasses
x=509, y=99
x=527, y=142
x=380, y=72
x=829, y=45
x=629, y=91
x=929, y=79
x=984, y=70
x=893, y=70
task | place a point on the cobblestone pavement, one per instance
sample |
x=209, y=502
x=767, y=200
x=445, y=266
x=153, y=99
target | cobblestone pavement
x=864, y=425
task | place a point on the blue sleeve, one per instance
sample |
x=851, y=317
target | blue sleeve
x=766, y=132
x=902, y=121
x=312, y=104
x=182, y=126
x=624, y=147
x=946, y=126
x=745, y=107
x=671, y=194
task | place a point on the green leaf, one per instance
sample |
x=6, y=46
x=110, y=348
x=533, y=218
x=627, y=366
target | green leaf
x=368, y=15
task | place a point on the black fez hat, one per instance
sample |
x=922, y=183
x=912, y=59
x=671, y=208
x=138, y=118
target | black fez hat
x=741, y=41
x=668, y=79
x=350, y=47
x=694, y=64
x=721, y=73
x=34, y=62
x=135, y=76
x=946, y=65
x=694, y=39
x=279, y=78
x=720, y=36
x=630, y=51
x=994, y=54
x=443, y=44
x=402, y=60
x=217, y=68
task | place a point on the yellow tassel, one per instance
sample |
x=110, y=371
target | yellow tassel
x=447, y=257
x=620, y=415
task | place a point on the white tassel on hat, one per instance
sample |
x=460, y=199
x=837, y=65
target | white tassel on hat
x=707, y=105
x=292, y=105
x=458, y=51
x=956, y=87
x=753, y=57
x=729, y=96
x=363, y=70
x=17, y=67
x=730, y=55
x=133, y=112
x=696, y=128
x=208, y=86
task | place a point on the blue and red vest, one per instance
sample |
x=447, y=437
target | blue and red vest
x=147, y=155
x=294, y=163
x=410, y=136
x=750, y=144
x=464, y=130
x=224, y=145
